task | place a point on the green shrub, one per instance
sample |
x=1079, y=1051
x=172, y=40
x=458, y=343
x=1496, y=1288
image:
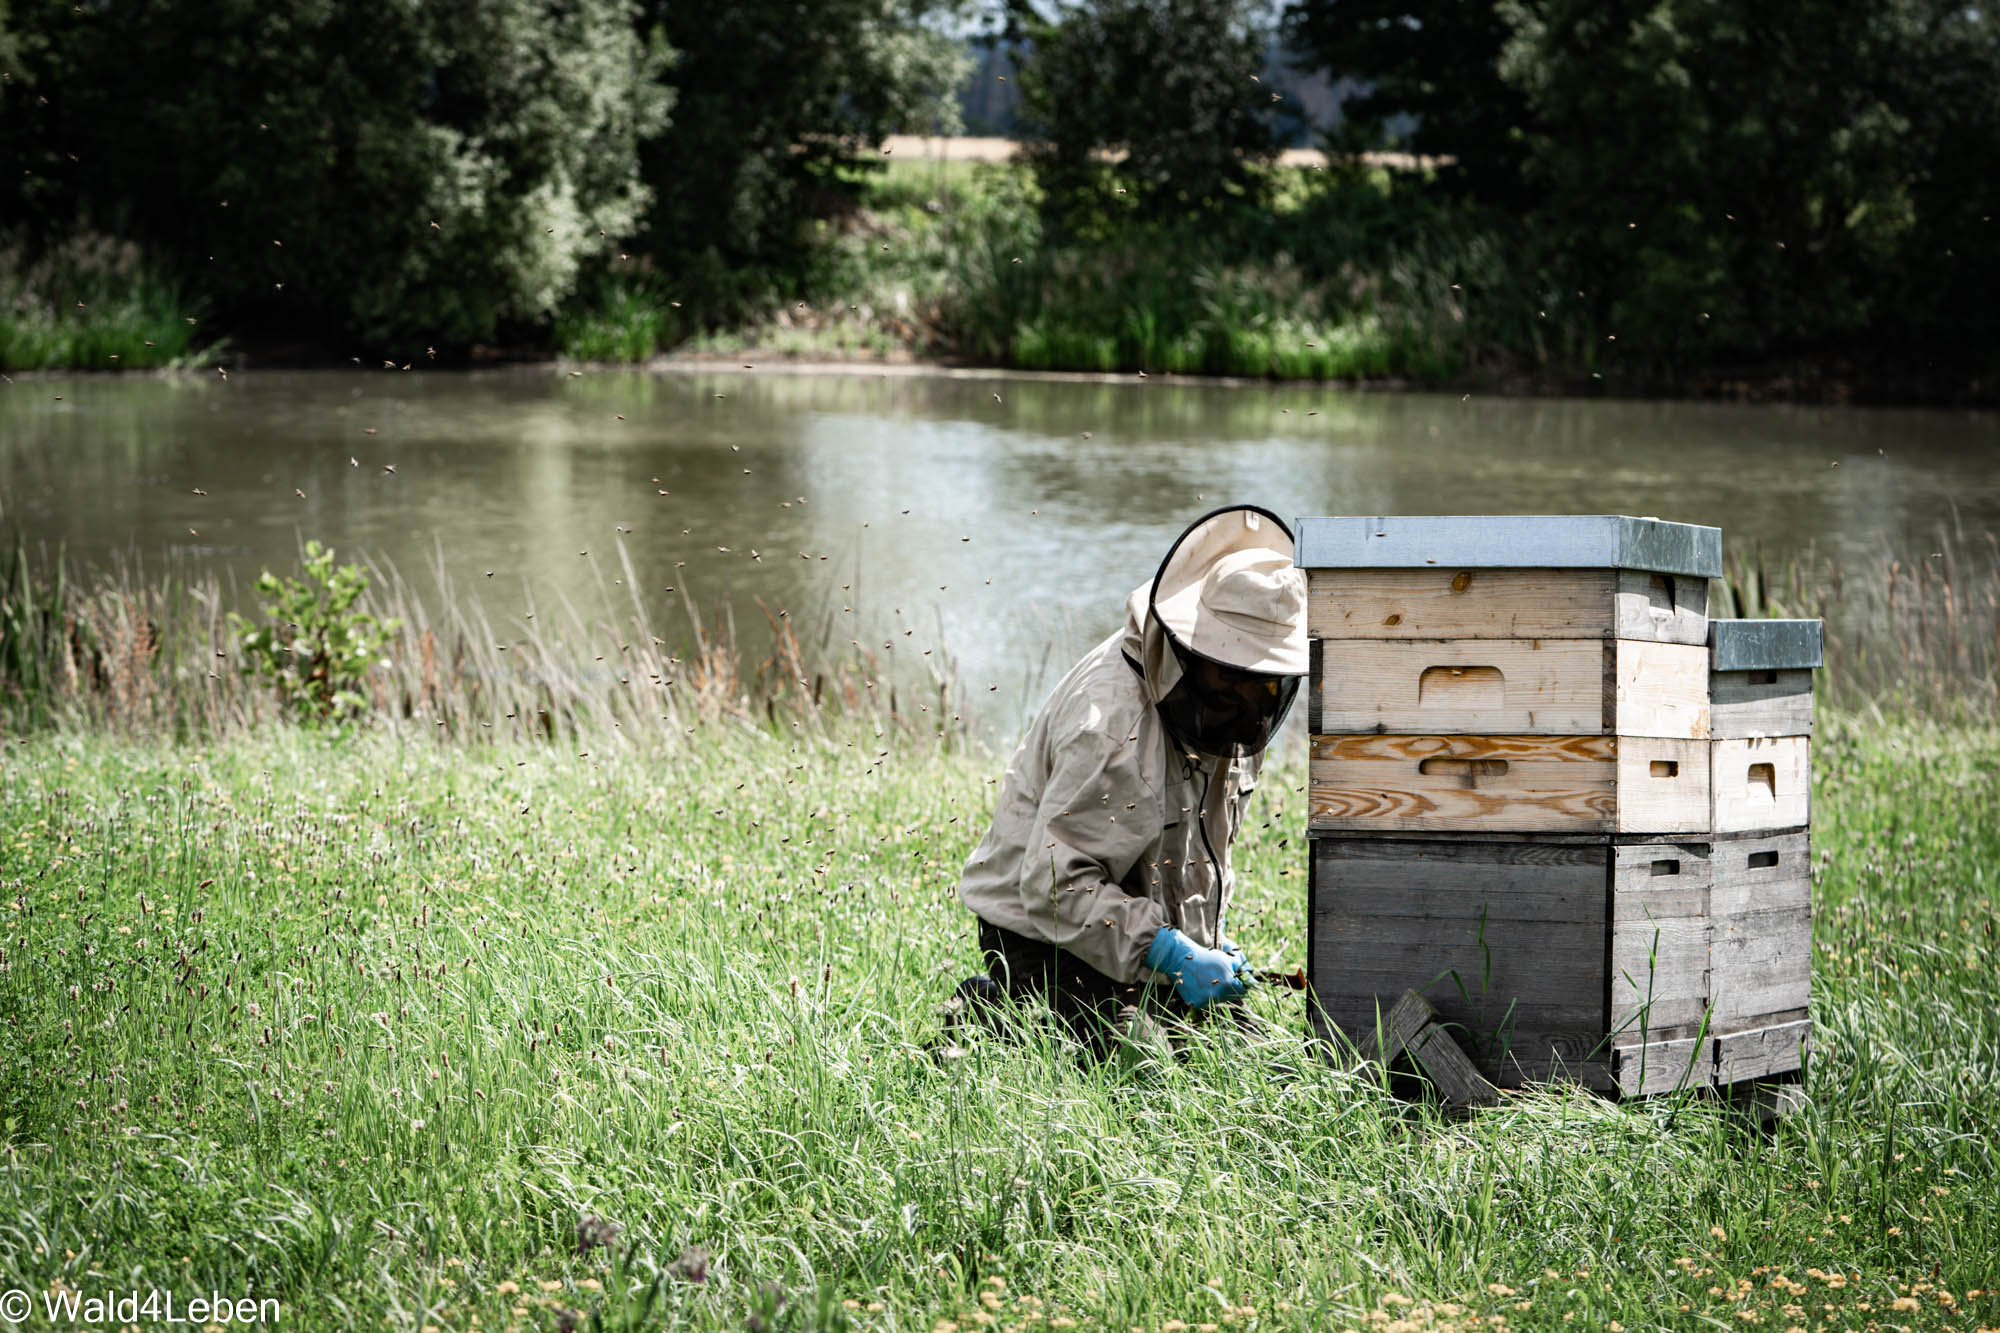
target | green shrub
x=94, y=303
x=315, y=645
x=618, y=319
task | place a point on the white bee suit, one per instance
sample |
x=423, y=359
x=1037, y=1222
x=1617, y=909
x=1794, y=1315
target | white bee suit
x=1104, y=829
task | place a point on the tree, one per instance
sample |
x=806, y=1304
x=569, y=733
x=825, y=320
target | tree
x=779, y=102
x=1717, y=175
x=404, y=172
x=1431, y=71
x=1173, y=85
x=1940, y=292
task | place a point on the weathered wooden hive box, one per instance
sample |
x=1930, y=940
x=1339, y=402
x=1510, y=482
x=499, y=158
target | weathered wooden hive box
x=1513, y=803
x=1760, y=898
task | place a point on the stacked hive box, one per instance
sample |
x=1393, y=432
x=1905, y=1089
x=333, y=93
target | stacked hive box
x=1511, y=805
x=1760, y=900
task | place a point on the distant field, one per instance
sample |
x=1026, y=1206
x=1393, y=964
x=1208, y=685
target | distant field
x=1003, y=150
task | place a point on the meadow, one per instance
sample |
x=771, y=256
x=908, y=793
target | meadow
x=433, y=1034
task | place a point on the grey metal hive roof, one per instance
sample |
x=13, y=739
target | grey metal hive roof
x=1763, y=645
x=1510, y=541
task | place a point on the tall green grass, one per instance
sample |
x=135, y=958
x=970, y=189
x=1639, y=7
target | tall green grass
x=618, y=318
x=95, y=303
x=132, y=650
x=1351, y=277
x=410, y=1034
x=1915, y=632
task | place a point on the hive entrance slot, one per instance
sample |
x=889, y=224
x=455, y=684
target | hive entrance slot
x=1462, y=687
x=1666, y=768
x=1763, y=860
x=1469, y=770
x=1763, y=678
x=1666, y=867
x=1764, y=776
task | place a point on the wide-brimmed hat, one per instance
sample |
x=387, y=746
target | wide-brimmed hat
x=1228, y=590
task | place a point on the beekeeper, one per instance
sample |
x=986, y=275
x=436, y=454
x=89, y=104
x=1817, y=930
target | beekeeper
x=1103, y=885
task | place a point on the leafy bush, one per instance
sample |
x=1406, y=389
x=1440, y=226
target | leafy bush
x=316, y=646
x=1172, y=84
x=94, y=303
x=399, y=172
x=618, y=319
x=776, y=104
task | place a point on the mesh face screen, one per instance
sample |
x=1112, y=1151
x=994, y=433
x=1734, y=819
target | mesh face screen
x=1221, y=711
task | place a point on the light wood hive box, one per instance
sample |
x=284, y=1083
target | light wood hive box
x=1514, y=740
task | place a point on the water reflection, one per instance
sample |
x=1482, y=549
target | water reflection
x=1002, y=519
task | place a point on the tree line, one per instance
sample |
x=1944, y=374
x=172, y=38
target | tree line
x=1693, y=180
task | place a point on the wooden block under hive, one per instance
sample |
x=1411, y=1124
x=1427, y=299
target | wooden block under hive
x=1781, y=1048
x=1551, y=959
x=1508, y=784
x=1528, y=687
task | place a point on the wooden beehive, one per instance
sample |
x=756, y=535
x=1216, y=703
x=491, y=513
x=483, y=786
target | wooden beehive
x=1554, y=958
x=1508, y=675
x=1513, y=806
x=1760, y=909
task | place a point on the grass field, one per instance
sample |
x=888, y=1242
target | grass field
x=422, y=1035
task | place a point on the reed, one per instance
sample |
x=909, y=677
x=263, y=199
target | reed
x=124, y=650
x=1914, y=633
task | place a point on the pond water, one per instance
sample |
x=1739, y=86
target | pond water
x=996, y=519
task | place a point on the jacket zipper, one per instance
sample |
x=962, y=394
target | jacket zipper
x=1214, y=863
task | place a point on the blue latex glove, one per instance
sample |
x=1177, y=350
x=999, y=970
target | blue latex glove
x=1235, y=952
x=1201, y=975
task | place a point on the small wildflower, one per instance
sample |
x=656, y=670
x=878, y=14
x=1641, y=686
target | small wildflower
x=507, y=1288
